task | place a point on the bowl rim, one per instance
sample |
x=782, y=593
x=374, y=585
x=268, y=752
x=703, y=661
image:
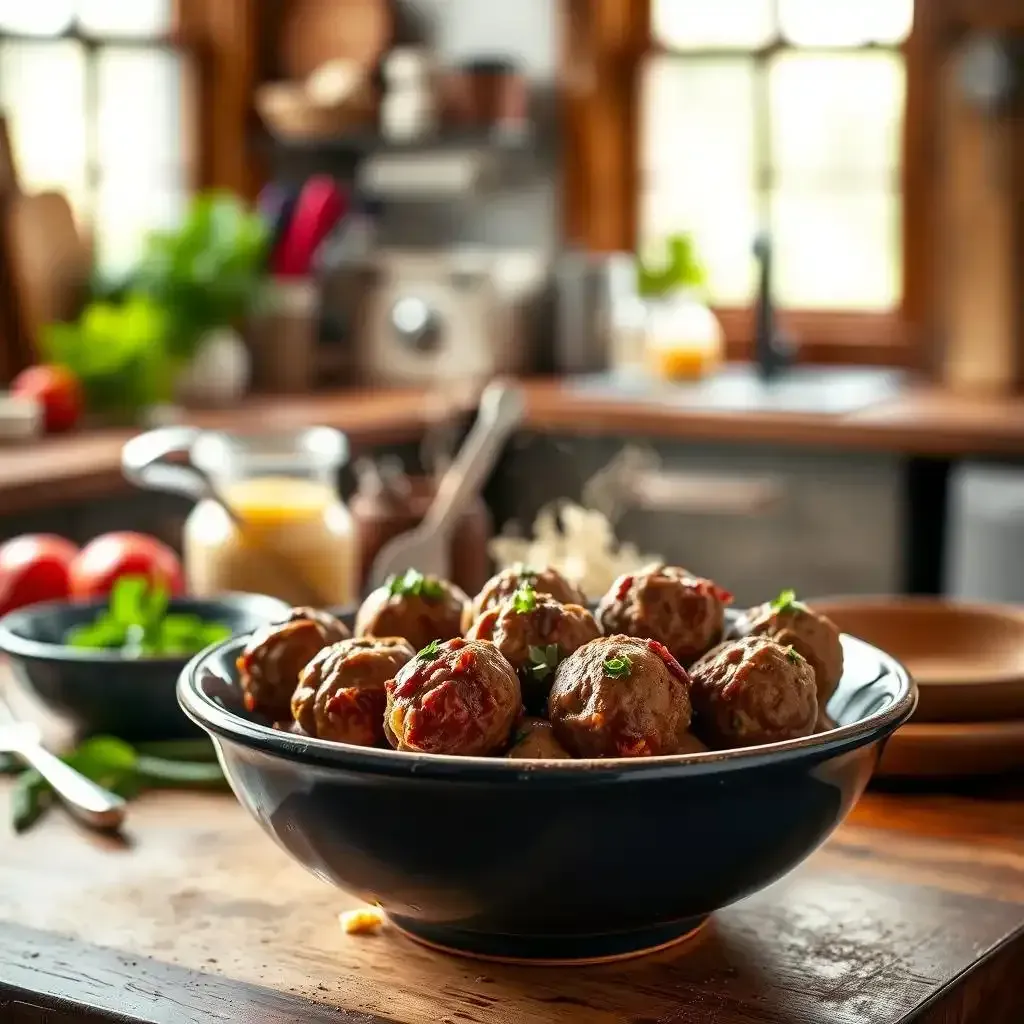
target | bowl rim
x=221, y=723
x=14, y=645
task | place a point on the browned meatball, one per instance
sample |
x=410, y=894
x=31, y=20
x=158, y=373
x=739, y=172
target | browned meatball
x=811, y=634
x=753, y=691
x=334, y=629
x=341, y=693
x=665, y=603
x=536, y=739
x=620, y=696
x=270, y=664
x=420, y=608
x=502, y=586
x=535, y=632
x=455, y=697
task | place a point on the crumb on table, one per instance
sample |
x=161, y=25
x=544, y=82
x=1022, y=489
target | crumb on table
x=364, y=921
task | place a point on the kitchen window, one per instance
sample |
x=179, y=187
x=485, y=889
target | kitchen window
x=733, y=116
x=96, y=95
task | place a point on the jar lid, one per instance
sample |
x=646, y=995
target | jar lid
x=309, y=449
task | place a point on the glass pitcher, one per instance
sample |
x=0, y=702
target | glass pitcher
x=268, y=520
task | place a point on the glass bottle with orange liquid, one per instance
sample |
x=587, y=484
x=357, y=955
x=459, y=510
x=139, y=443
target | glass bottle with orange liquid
x=683, y=338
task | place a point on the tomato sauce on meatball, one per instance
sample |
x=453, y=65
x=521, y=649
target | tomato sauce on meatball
x=455, y=697
x=270, y=664
x=341, y=693
x=620, y=696
x=665, y=603
x=753, y=691
x=535, y=632
x=420, y=608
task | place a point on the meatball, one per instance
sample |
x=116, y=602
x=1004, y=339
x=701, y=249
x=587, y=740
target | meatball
x=420, y=608
x=811, y=634
x=334, y=629
x=536, y=739
x=534, y=632
x=665, y=603
x=753, y=691
x=455, y=697
x=341, y=693
x=270, y=664
x=502, y=586
x=620, y=696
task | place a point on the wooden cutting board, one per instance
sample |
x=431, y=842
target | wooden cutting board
x=914, y=911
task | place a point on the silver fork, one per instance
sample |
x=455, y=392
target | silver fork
x=91, y=804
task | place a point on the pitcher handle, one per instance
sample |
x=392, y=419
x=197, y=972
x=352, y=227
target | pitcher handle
x=146, y=462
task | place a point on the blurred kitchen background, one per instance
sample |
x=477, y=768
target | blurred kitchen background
x=759, y=264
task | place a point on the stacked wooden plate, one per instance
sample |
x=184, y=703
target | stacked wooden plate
x=968, y=661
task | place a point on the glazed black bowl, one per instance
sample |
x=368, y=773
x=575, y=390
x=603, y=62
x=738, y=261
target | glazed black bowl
x=101, y=691
x=564, y=861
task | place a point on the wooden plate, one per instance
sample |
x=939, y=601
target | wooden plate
x=314, y=32
x=967, y=659
x=943, y=751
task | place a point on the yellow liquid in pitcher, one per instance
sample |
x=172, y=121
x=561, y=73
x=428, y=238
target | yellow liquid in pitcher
x=296, y=543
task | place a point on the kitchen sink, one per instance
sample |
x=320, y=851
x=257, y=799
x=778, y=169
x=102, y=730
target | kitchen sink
x=835, y=390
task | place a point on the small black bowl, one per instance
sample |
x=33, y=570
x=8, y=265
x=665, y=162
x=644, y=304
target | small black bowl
x=101, y=691
x=557, y=861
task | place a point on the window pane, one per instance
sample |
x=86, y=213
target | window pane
x=125, y=210
x=42, y=88
x=698, y=128
x=139, y=109
x=692, y=24
x=36, y=17
x=837, y=251
x=723, y=223
x=836, y=120
x=126, y=17
x=845, y=22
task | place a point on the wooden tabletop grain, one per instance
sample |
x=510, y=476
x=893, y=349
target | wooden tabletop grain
x=914, y=911
x=921, y=420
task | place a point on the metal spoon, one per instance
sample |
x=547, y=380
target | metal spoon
x=91, y=804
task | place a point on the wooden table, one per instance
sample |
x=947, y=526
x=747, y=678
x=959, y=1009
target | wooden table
x=913, y=912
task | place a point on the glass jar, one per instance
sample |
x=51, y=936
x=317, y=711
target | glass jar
x=288, y=534
x=684, y=339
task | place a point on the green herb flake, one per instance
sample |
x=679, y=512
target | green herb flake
x=431, y=652
x=618, y=667
x=544, y=660
x=787, y=602
x=524, y=599
x=412, y=583
x=793, y=656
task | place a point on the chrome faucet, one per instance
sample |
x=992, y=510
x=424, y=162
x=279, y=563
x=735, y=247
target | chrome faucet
x=773, y=351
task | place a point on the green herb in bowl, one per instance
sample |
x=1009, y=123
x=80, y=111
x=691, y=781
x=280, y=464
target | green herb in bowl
x=138, y=623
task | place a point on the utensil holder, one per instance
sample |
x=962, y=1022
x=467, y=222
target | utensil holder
x=284, y=337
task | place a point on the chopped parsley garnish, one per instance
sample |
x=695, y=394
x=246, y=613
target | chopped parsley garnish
x=618, y=667
x=794, y=656
x=412, y=583
x=525, y=598
x=431, y=652
x=787, y=602
x=544, y=660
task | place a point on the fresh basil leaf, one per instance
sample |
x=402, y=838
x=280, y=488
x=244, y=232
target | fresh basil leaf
x=128, y=601
x=30, y=800
x=618, y=667
x=156, y=771
x=103, y=753
x=524, y=600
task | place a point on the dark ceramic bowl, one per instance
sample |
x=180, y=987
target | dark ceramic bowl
x=566, y=861
x=102, y=692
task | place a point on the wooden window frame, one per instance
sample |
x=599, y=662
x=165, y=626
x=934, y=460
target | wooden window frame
x=606, y=43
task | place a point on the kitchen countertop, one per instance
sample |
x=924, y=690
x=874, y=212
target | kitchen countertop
x=921, y=420
x=913, y=911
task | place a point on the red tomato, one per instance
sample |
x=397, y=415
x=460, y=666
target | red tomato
x=34, y=568
x=56, y=389
x=103, y=560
